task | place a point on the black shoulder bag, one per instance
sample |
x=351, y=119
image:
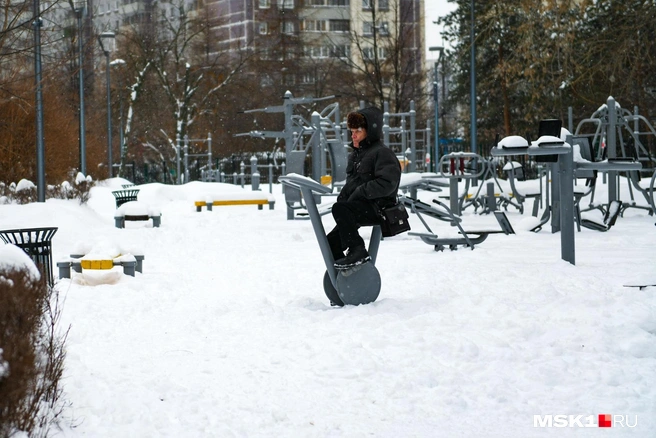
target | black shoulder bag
x=394, y=220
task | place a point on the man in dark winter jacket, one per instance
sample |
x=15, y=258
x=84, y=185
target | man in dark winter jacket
x=373, y=174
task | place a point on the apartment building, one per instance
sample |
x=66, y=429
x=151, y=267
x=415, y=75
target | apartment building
x=312, y=31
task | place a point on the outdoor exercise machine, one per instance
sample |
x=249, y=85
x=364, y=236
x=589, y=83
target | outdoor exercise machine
x=611, y=121
x=466, y=238
x=455, y=162
x=320, y=134
x=182, y=152
x=413, y=143
x=562, y=202
x=358, y=285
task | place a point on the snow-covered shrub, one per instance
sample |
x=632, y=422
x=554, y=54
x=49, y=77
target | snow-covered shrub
x=25, y=191
x=31, y=348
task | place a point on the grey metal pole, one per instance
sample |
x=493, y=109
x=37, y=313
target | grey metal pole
x=186, y=159
x=80, y=48
x=472, y=74
x=386, y=127
x=109, y=119
x=611, y=147
x=316, y=146
x=567, y=238
x=413, y=135
x=40, y=148
x=209, y=151
x=177, y=158
x=120, y=131
x=436, y=159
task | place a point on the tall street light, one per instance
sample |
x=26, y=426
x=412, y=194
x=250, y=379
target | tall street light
x=121, y=135
x=40, y=148
x=436, y=160
x=106, y=40
x=79, y=6
x=472, y=74
x=472, y=91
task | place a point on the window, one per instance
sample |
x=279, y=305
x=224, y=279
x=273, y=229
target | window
x=338, y=3
x=368, y=53
x=339, y=25
x=263, y=28
x=307, y=78
x=265, y=4
x=343, y=51
x=289, y=79
x=383, y=29
x=383, y=5
x=367, y=28
x=366, y=4
x=382, y=53
x=286, y=4
x=288, y=27
x=313, y=25
x=316, y=52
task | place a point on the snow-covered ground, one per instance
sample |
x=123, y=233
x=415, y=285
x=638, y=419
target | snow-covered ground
x=228, y=333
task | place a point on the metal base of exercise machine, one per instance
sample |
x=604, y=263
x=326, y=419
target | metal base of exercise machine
x=353, y=286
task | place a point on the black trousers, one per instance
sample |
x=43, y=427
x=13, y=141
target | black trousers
x=349, y=217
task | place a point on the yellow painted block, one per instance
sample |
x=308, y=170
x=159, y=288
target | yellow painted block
x=97, y=264
x=242, y=202
x=326, y=180
x=200, y=203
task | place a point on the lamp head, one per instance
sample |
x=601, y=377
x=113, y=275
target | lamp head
x=107, y=41
x=78, y=5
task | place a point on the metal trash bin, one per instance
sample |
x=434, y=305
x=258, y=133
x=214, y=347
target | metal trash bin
x=37, y=243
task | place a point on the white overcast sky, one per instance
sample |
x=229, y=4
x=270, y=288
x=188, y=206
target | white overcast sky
x=434, y=9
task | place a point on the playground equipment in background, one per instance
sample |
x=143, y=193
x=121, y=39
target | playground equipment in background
x=611, y=122
x=411, y=143
x=457, y=171
x=185, y=155
x=358, y=285
x=324, y=138
x=562, y=199
x=443, y=213
x=320, y=136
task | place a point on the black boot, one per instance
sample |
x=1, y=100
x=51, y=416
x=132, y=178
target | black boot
x=356, y=256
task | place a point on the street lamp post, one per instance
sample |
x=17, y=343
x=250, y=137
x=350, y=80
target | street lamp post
x=106, y=40
x=472, y=74
x=79, y=6
x=436, y=160
x=40, y=148
x=121, y=135
x=472, y=91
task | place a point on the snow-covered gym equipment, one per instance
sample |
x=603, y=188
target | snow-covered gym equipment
x=358, y=285
x=183, y=152
x=321, y=137
x=610, y=126
x=562, y=202
x=456, y=166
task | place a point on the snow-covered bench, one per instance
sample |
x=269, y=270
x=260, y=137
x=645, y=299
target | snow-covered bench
x=247, y=198
x=127, y=261
x=136, y=211
x=102, y=256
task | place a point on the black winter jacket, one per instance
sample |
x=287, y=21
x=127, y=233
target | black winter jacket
x=373, y=172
